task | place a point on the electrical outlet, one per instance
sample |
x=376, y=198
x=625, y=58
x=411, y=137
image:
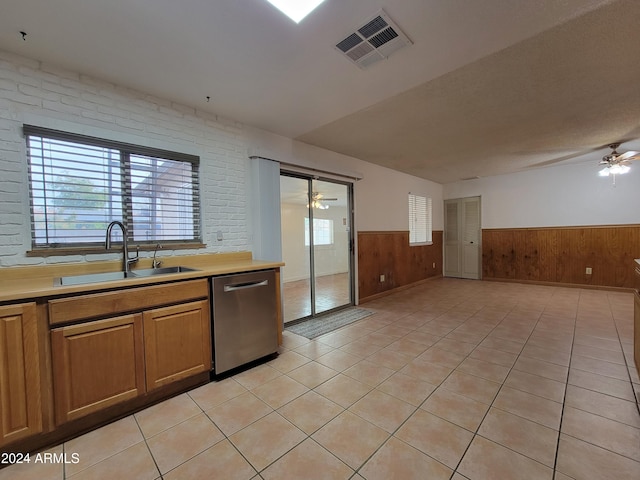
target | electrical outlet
x=381, y=278
x=434, y=264
x=589, y=271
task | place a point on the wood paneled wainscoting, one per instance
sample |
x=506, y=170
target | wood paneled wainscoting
x=389, y=254
x=562, y=254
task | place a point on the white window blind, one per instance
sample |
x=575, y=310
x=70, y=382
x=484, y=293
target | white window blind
x=420, y=226
x=78, y=185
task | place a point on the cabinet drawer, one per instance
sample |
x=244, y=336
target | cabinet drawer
x=81, y=307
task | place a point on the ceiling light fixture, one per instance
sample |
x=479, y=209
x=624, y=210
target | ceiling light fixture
x=617, y=163
x=614, y=170
x=296, y=10
x=318, y=205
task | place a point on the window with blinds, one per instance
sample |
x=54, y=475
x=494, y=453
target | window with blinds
x=420, y=224
x=79, y=184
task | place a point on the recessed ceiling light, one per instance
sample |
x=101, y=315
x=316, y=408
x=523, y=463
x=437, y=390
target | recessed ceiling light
x=296, y=10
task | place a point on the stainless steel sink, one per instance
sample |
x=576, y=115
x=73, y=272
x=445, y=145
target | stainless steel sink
x=113, y=276
x=90, y=278
x=150, y=272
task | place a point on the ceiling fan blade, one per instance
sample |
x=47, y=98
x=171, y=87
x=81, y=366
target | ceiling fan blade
x=630, y=155
x=553, y=161
x=320, y=196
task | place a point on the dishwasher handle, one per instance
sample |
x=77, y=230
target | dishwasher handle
x=242, y=286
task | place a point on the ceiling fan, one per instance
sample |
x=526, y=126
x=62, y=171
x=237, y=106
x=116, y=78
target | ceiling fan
x=617, y=163
x=317, y=199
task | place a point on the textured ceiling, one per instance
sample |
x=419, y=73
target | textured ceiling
x=487, y=87
x=548, y=99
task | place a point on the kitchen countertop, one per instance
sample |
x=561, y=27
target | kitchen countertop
x=27, y=283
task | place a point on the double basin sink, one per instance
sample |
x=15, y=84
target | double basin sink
x=113, y=276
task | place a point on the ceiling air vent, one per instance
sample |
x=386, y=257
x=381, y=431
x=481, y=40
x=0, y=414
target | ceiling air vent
x=378, y=38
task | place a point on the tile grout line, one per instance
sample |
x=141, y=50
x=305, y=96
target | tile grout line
x=392, y=434
x=624, y=357
x=595, y=414
x=512, y=367
x=144, y=439
x=592, y=413
x=566, y=387
x=357, y=470
x=498, y=392
x=441, y=382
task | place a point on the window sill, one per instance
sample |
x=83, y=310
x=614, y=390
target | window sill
x=421, y=244
x=64, y=251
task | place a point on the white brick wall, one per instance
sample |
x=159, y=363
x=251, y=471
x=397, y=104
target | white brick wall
x=31, y=92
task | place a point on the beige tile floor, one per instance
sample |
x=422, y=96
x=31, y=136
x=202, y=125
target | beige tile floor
x=452, y=379
x=331, y=291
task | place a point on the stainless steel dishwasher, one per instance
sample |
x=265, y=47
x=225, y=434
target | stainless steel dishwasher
x=244, y=318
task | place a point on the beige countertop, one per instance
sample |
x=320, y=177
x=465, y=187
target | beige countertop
x=25, y=283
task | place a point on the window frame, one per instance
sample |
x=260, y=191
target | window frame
x=317, y=227
x=126, y=150
x=413, y=201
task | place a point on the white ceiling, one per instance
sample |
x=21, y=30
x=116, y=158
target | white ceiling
x=488, y=87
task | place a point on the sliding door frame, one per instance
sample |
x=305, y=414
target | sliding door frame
x=350, y=242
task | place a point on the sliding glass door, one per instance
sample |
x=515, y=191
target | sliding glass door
x=317, y=245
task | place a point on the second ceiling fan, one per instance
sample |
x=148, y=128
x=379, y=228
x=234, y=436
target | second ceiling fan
x=317, y=199
x=617, y=163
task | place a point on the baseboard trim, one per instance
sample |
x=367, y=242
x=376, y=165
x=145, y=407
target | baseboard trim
x=503, y=280
x=560, y=284
x=396, y=290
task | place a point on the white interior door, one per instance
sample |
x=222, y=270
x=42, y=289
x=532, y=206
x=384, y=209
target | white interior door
x=462, y=242
x=452, y=259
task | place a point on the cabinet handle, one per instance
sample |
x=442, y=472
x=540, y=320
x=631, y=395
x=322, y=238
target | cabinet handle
x=242, y=286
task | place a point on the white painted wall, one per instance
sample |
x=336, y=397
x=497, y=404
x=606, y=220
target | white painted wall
x=570, y=195
x=381, y=194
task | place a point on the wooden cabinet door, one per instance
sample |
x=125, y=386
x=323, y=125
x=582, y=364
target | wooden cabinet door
x=96, y=365
x=20, y=400
x=177, y=342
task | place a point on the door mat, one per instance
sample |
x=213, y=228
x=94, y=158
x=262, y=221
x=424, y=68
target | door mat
x=314, y=327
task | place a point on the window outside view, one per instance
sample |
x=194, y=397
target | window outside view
x=77, y=189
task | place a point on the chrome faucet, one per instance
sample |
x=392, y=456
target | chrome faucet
x=126, y=261
x=156, y=263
